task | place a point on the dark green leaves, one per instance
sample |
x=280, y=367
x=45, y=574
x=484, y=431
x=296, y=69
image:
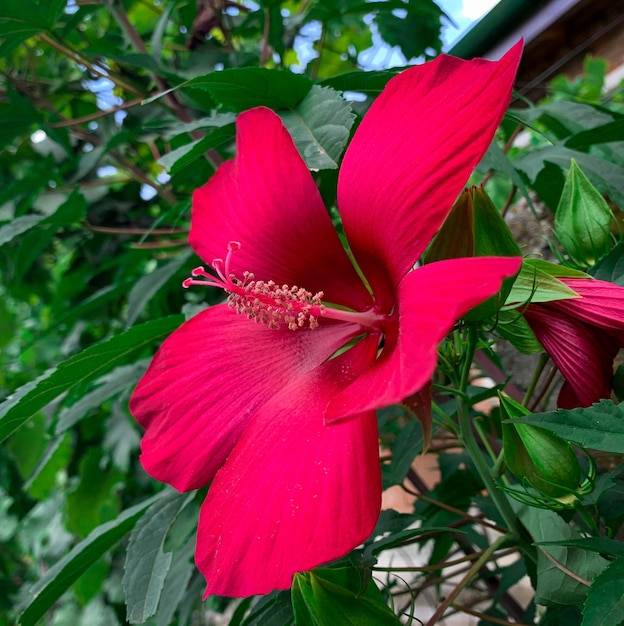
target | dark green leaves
x=147, y=564
x=42, y=596
x=605, y=600
x=335, y=596
x=599, y=427
x=320, y=127
x=88, y=365
x=244, y=88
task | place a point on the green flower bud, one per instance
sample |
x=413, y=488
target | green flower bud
x=583, y=219
x=475, y=227
x=538, y=457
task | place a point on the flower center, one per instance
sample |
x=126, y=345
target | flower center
x=273, y=304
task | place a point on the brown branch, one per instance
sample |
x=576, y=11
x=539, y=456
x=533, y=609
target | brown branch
x=104, y=72
x=137, y=231
x=265, y=51
x=172, y=100
x=484, y=616
x=94, y=116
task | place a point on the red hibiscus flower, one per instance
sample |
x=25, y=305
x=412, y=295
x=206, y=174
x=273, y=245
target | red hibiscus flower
x=280, y=415
x=582, y=336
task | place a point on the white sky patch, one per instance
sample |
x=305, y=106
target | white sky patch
x=475, y=9
x=38, y=136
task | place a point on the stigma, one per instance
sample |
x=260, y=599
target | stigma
x=275, y=305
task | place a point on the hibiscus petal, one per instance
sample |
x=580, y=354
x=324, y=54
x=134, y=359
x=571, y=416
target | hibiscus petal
x=209, y=378
x=294, y=493
x=267, y=200
x=413, y=153
x=584, y=355
x=601, y=303
x=430, y=300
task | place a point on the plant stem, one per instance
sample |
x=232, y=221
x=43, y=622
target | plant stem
x=543, y=359
x=470, y=443
x=478, y=564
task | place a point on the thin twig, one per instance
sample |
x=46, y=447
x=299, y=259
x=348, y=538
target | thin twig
x=484, y=616
x=94, y=116
x=104, y=72
x=479, y=563
x=137, y=231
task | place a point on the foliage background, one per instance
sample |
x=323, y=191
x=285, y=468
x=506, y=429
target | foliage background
x=111, y=113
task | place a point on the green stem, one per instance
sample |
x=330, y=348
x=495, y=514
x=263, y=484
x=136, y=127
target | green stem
x=470, y=443
x=477, y=565
x=535, y=378
x=587, y=518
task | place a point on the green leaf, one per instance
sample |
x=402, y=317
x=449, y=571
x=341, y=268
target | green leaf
x=599, y=427
x=415, y=33
x=405, y=448
x=146, y=564
x=119, y=379
x=368, y=83
x=611, y=267
x=611, y=131
x=274, y=609
x=604, y=545
x=24, y=18
x=180, y=158
x=42, y=596
x=70, y=208
x=176, y=581
x=147, y=286
x=536, y=283
x=88, y=365
x=554, y=587
x=605, y=600
x=583, y=219
x=339, y=597
x=511, y=325
x=244, y=88
x=320, y=126
x=495, y=159
x=94, y=500
x=18, y=226
x=607, y=177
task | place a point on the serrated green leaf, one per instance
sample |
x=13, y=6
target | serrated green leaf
x=320, y=127
x=146, y=564
x=176, y=581
x=42, y=596
x=147, y=286
x=555, y=587
x=605, y=600
x=88, y=365
x=599, y=427
x=244, y=88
